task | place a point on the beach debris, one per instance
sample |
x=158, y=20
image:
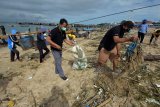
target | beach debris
x=78, y=97
x=135, y=76
x=93, y=95
x=11, y=103
x=34, y=99
x=30, y=77
x=152, y=57
x=30, y=56
x=95, y=86
x=158, y=85
x=151, y=100
x=100, y=91
x=104, y=103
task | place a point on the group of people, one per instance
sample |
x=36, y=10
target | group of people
x=143, y=29
x=55, y=38
x=109, y=47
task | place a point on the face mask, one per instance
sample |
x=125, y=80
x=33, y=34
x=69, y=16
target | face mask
x=63, y=28
x=43, y=32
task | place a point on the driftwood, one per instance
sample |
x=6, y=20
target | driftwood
x=6, y=36
x=152, y=57
x=104, y=103
x=30, y=33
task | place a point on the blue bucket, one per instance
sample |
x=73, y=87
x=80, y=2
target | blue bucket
x=27, y=42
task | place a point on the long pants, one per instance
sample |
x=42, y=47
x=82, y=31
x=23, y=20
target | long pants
x=156, y=37
x=141, y=36
x=42, y=55
x=12, y=54
x=58, y=62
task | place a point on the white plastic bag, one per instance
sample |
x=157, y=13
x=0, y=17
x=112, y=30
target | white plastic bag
x=80, y=60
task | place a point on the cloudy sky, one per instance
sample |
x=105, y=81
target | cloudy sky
x=76, y=10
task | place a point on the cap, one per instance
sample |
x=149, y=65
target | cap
x=13, y=31
x=144, y=21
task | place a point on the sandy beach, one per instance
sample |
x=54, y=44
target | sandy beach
x=32, y=84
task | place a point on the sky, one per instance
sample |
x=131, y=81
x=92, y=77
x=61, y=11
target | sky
x=76, y=10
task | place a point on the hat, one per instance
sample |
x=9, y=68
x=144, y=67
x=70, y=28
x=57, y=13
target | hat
x=13, y=31
x=144, y=21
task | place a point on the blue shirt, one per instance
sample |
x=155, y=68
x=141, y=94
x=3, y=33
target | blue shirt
x=11, y=42
x=41, y=41
x=143, y=28
x=40, y=37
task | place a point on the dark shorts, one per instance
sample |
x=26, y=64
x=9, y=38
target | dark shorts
x=100, y=47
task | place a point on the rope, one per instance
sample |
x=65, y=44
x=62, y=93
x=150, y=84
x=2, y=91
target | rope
x=131, y=10
x=126, y=11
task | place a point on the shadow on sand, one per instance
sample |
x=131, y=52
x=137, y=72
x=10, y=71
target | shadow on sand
x=57, y=99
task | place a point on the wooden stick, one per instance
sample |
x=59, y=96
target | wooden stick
x=3, y=37
x=34, y=99
x=20, y=34
x=104, y=103
x=92, y=99
x=152, y=57
x=30, y=33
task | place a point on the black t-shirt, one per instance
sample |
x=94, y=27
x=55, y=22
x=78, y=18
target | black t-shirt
x=108, y=42
x=57, y=36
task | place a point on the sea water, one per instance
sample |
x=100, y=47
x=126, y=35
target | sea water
x=23, y=28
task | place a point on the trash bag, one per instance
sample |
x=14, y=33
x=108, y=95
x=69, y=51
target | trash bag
x=80, y=60
x=27, y=42
x=131, y=48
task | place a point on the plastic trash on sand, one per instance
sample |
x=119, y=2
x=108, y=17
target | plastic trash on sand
x=29, y=78
x=11, y=103
x=150, y=100
x=80, y=60
x=158, y=85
